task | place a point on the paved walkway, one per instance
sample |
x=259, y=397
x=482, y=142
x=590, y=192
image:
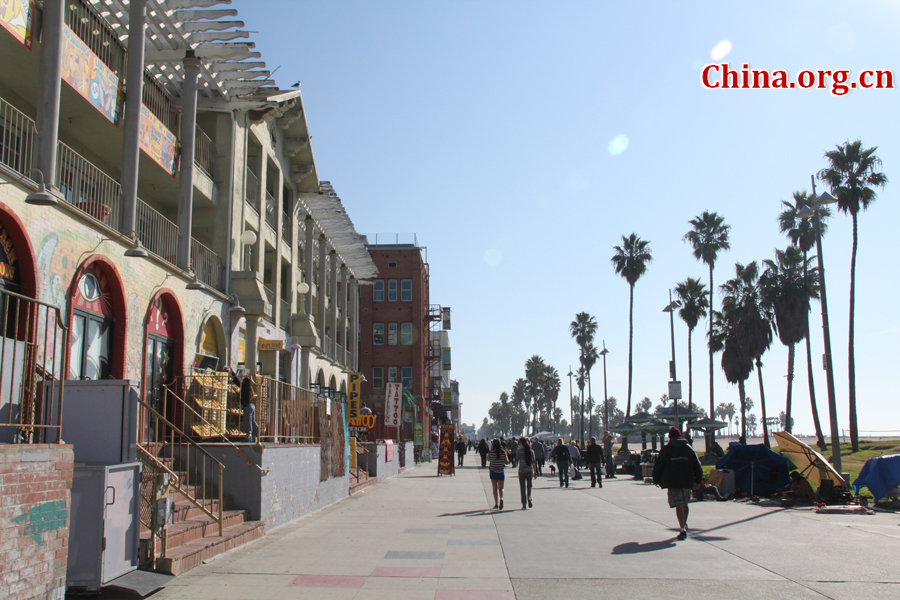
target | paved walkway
x=418, y=536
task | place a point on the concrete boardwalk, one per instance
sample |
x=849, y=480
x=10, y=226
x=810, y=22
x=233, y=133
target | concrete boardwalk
x=418, y=536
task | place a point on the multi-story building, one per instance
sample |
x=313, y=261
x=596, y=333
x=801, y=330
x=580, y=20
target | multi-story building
x=396, y=343
x=160, y=212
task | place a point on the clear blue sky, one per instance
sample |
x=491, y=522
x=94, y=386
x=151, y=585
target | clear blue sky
x=485, y=128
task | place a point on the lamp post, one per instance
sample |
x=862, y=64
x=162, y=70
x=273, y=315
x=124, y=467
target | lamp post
x=805, y=213
x=603, y=353
x=670, y=308
x=571, y=410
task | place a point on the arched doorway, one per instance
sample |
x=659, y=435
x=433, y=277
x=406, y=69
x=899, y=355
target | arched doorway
x=97, y=322
x=164, y=350
x=211, y=347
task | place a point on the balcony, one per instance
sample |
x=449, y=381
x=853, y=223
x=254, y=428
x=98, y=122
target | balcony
x=271, y=215
x=205, y=154
x=287, y=230
x=98, y=195
x=251, y=190
x=284, y=315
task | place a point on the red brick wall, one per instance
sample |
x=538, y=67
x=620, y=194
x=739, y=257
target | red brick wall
x=35, y=501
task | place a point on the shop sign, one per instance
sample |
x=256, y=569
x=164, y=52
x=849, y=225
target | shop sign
x=8, y=258
x=445, y=451
x=355, y=380
x=157, y=141
x=446, y=359
x=417, y=436
x=445, y=316
x=392, y=405
x=388, y=450
x=352, y=452
x=270, y=345
x=448, y=397
x=16, y=18
x=86, y=73
x=362, y=421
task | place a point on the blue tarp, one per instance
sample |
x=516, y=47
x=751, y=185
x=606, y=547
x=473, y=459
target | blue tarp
x=757, y=470
x=879, y=474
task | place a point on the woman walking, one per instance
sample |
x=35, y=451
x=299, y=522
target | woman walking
x=483, y=451
x=525, y=458
x=498, y=462
x=561, y=455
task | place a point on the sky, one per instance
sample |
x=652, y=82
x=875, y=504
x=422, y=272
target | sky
x=521, y=140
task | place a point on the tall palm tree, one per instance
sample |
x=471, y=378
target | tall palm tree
x=709, y=236
x=742, y=296
x=551, y=391
x=692, y=295
x=580, y=381
x=630, y=261
x=534, y=373
x=737, y=364
x=788, y=285
x=853, y=174
x=583, y=329
x=589, y=357
x=802, y=233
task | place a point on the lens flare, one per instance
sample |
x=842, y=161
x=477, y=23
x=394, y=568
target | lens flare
x=492, y=257
x=721, y=50
x=618, y=144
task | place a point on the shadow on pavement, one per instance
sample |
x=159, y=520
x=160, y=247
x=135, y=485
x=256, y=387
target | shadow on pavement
x=636, y=548
x=479, y=513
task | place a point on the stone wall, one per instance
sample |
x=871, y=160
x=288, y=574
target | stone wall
x=35, y=500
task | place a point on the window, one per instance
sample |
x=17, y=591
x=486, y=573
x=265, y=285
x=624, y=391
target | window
x=378, y=334
x=392, y=375
x=378, y=291
x=406, y=337
x=377, y=378
x=406, y=290
x=392, y=290
x=90, y=346
x=406, y=374
x=392, y=334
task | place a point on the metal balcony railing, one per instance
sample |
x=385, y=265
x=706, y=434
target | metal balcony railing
x=284, y=316
x=251, y=190
x=207, y=265
x=287, y=229
x=87, y=187
x=271, y=215
x=205, y=154
x=16, y=138
x=158, y=234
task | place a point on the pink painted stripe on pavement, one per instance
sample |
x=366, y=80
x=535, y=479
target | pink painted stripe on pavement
x=328, y=581
x=406, y=572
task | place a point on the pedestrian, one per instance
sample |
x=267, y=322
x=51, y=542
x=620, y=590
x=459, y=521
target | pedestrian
x=560, y=454
x=511, y=447
x=483, y=451
x=678, y=470
x=540, y=455
x=594, y=457
x=498, y=462
x=525, y=458
x=461, y=449
x=575, y=457
x=608, y=456
x=249, y=408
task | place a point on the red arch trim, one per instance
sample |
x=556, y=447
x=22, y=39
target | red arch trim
x=120, y=328
x=24, y=250
x=177, y=334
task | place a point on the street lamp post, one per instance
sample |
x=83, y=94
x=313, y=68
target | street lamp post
x=805, y=213
x=603, y=353
x=571, y=409
x=670, y=308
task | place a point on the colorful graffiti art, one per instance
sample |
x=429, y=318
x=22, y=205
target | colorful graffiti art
x=88, y=76
x=157, y=141
x=15, y=17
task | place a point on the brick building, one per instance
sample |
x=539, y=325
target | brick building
x=397, y=322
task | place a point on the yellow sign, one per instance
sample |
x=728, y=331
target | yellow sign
x=353, y=396
x=270, y=345
x=367, y=421
x=352, y=452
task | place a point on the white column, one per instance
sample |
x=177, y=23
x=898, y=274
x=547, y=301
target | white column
x=343, y=357
x=308, y=267
x=134, y=90
x=333, y=258
x=48, y=91
x=186, y=164
x=321, y=289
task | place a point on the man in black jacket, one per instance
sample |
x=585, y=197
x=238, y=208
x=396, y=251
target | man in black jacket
x=594, y=457
x=678, y=470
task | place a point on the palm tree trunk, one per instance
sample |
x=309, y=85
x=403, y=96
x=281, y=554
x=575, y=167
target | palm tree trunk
x=851, y=361
x=790, y=389
x=630, y=339
x=762, y=402
x=820, y=438
x=743, y=395
x=590, y=406
x=690, y=374
x=711, y=436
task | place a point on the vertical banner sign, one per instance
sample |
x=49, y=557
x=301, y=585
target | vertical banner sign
x=353, y=396
x=417, y=436
x=445, y=451
x=157, y=141
x=447, y=398
x=352, y=452
x=446, y=359
x=392, y=405
x=86, y=73
x=15, y=17
x=445, y=314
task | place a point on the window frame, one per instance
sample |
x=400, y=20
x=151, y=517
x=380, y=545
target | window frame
x=406, y=334
x=375, y=327
x=393, y=375
x=404, y=377
x=378, y=290
x=392, y=290
x=377, y=378
x=393, y=334
x=406, y=295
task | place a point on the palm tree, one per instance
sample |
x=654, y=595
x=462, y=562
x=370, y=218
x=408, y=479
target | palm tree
x=802, y=234
x=853, y=174
x=534, y=373
x=550, y=391
x=630, y=261
x=589, y=357
x=708, y=236
x=754, y=328
x=692, y=295
x=583, y=329
x=736, y=362
x=580, y=381
x=788, y=285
